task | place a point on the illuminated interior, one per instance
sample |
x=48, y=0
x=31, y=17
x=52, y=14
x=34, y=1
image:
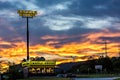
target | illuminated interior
x=41, y=69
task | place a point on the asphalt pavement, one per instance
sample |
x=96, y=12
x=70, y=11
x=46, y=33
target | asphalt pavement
x=110, y=78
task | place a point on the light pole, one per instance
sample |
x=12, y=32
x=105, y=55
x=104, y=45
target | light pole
x=27, y=14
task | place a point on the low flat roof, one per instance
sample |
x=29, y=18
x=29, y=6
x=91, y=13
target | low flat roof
x=39, y=63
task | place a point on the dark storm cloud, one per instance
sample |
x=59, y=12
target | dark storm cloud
x=96, y=8
x=74, y=35
x=110, y=39
x=47, y=3
x=7, y=33
x=6, y=5
x=67, y=17
x=80, y=30
x=5, y=46
x=59, y=24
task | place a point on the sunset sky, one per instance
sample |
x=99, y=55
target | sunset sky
x=62, y=29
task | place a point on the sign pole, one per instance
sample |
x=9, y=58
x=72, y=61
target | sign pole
x=27, y=14
x=27, y=38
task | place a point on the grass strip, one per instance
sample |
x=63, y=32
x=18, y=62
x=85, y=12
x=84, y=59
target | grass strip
x=46, y=79
x=117, y=79
x=98, y=75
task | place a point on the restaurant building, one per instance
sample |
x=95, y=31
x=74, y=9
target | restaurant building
x=40, y=67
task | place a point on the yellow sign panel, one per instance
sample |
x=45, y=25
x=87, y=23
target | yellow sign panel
x=39, y=63
x=27, y=13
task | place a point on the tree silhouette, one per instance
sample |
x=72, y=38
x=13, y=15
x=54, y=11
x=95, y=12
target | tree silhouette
x=39, y=59
x=24, y=60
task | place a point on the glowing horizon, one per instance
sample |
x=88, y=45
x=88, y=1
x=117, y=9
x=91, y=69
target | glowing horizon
x=81, y=50
x=63, y=30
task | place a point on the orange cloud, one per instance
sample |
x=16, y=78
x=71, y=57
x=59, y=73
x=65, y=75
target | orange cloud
x=82, y=50
x=95, y=36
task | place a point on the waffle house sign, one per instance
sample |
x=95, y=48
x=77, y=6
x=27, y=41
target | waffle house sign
x=38, y=63
x=40, y=66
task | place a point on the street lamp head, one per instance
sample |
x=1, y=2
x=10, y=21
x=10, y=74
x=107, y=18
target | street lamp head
x=27, y=13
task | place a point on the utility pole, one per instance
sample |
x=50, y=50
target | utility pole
x=27, y=14
x=105, y=42
x=119, y=50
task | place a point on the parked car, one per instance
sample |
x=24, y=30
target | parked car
x=60, y=75
x=5, y=77
x=69, y=75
